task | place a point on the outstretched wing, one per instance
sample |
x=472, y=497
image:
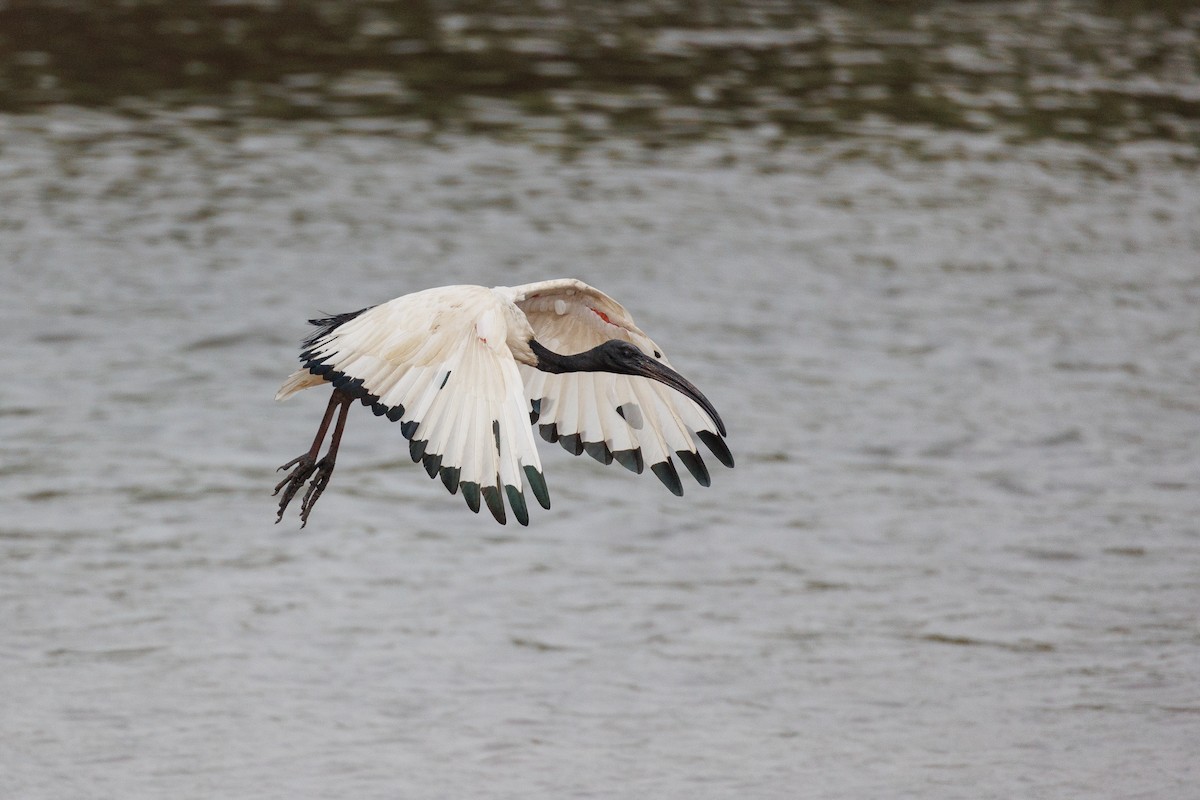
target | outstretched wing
x=438, y=362
x=629, y=419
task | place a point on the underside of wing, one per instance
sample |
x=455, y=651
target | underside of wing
x=437, y=362
x=632, y=420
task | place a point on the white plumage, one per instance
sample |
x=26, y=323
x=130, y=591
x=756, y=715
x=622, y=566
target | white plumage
x=457, y=366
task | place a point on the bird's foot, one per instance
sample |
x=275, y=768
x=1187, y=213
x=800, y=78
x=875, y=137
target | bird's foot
x=301, y=468
x=324, y=469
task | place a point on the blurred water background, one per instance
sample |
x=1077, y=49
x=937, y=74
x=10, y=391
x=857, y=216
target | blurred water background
x=937, y=264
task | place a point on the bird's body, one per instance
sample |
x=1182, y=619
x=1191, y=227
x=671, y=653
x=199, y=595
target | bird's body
x=465, y=369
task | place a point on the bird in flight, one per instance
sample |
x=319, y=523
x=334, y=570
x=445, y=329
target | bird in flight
x=467, y=371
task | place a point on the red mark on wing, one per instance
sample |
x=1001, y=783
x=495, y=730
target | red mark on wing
x=602, y=316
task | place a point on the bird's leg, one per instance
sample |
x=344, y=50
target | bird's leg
x=305, y=464
x=325, y=466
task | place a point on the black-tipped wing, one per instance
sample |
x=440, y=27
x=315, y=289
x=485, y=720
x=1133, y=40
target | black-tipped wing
x=634, y=421
x=438, y=362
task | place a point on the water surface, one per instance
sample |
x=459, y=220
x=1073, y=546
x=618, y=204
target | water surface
x=958, y=557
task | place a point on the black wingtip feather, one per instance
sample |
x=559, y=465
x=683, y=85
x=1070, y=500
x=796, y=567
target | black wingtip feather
x=517, y=501
x=327, y=325
x=470, y=493
x=695, y=465
x=630, y=460
x=718, y=447
x=450, y=478
x=537, y=484
x=495, y=503
x=571, y=443
x=598, y=451
x=549, y=432
x=432, y=463
x=666, y=473
x=348, y=385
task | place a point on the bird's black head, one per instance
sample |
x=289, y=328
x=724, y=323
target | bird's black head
x=623, y=358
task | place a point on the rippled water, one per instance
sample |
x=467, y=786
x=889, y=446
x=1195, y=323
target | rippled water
x=1106, y=71
x=958, y=557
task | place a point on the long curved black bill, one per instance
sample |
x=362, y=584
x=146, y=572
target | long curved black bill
x=647, y=367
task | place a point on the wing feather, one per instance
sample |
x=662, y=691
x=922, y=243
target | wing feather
x=636, y=420
x=440, y=362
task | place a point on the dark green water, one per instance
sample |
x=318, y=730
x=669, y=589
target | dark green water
x=659, y=71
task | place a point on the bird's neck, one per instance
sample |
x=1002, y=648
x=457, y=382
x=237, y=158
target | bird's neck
x=557, y=363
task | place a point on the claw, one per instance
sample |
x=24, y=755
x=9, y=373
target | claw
x=293, y=463
x=304, y=467
x=324, y=469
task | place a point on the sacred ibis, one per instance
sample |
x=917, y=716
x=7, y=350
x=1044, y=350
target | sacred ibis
x=467, y=371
